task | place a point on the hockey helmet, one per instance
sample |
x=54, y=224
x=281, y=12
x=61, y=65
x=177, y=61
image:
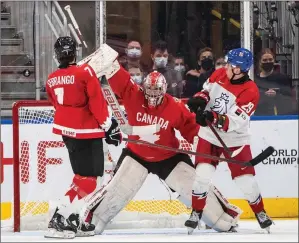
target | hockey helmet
x=65, y=49
x=240, y=57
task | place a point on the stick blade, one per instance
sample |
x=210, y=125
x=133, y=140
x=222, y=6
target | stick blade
x=262, y=156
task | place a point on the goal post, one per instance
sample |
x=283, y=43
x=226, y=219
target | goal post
x=42, y=174
x=16, y=159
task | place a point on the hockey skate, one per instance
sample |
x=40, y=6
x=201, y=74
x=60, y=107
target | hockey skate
x=83, y=228
x=59, y=227
x=264, y=220
x=193, y=221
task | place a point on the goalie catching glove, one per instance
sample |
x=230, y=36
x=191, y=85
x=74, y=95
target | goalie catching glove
x=113, y=134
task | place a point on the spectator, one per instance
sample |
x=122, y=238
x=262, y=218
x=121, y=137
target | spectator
x=220, y=63
x=136, y=74
x=275, y=88
x=179, y=64
x=196, y=77
x=134, y=53
x=173, y=78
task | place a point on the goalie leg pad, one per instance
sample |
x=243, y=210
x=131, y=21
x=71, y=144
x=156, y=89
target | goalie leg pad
x=214, y=215
x=181, y=179
x=218, y=213
x=252, y=194
x=118, y=193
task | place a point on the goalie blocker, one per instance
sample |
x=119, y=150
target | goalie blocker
x=177, y=172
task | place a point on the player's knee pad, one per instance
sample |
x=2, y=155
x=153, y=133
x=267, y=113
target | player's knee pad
x=117, y=194
x=215, y=216
x=181, y=180
x=248, y=185
x=203, y=177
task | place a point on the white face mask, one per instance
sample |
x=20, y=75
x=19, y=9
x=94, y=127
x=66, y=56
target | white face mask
x=180, y=68
x=134, y=52
x=161, y=62
x=137, y=78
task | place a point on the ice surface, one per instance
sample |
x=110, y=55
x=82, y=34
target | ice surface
x=248, y=231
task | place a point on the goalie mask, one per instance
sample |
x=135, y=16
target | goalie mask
x=154, y=88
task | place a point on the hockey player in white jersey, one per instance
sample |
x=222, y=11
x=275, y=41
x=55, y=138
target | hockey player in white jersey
x=133, y=166
x=227, y=101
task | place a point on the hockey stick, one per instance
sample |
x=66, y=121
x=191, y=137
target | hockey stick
x=256, y=160
x=68, y=9
x=219, y=138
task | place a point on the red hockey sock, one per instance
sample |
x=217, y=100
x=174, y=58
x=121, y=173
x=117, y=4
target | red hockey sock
x=258, y=205
x=199, y=200
x=81, y=187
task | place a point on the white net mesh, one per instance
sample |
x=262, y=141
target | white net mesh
x=45, y=175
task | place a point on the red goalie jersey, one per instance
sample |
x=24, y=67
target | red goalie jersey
x=171, y=114
x=237, y=102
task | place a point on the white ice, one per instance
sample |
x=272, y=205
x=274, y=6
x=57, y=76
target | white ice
x=248, y=231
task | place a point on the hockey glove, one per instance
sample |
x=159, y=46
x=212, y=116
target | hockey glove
x=199, y=100
x=113, y=135
x=217, y=120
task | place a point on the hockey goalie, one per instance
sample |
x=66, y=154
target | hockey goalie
x=146, y=105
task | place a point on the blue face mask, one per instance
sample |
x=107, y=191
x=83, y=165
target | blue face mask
x=137, y=78
x=133, y=53
x=161, y=62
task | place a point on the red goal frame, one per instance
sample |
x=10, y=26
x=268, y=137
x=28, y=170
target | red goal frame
x=16, y=158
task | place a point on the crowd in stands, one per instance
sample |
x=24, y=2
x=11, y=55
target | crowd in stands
x=277, y=94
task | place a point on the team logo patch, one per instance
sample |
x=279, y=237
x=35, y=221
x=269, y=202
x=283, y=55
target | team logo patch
x=220, y=104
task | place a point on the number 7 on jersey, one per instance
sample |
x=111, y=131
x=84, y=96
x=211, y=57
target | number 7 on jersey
x=59, y=92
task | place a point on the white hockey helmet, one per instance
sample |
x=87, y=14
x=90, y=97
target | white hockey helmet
x=155, y=87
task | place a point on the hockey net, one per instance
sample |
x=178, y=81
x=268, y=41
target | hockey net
x=42, y=175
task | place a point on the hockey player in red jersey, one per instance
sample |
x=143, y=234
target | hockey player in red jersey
x=82, y=119
x=227, y=101
x=146, y=105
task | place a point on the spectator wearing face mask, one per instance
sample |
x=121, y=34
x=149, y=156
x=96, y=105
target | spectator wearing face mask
x=173, y=78
x=179, y=65
x=136, y=74
x=275, y=88
x=196, y=77
x=220, y=63
x=134, y=53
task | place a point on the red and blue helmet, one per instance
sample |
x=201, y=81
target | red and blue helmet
x=240, y=57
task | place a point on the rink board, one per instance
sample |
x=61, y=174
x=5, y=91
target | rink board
x=277, y=176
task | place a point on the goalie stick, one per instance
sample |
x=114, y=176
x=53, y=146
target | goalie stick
x=256, y=160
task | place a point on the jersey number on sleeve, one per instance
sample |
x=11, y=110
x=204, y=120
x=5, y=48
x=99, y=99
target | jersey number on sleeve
x=59, y=92
x=248, y=108
x=88, y=69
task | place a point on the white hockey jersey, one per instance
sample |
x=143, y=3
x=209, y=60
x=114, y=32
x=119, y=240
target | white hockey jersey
x=237, y=101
